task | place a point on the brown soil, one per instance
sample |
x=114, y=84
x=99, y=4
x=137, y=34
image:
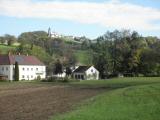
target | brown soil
x=39, y=102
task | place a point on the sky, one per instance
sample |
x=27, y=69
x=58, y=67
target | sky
x=90, y=18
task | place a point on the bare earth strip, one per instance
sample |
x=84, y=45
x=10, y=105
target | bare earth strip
x=39, y=102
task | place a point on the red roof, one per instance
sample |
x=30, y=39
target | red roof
x=21, y=59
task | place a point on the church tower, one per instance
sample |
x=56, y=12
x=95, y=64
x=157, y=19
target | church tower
x=49, y=32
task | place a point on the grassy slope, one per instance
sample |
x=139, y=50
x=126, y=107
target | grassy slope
x=140, y=101
x=4, y=48
x=83, y=57
x=118, y=82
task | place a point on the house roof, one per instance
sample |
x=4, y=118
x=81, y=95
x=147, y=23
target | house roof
x=81, y=69
x=21, y=59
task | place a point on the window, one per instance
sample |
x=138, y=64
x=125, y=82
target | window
x=22, y=76
x=91, y=70
x=27, y=68
x=23, y=68
x=82, y=77
x=2, y=68
x=6, y=68
x=76, y=76
x=79, y=76
x=36, y=68
x=31, y=76
x=32, y=69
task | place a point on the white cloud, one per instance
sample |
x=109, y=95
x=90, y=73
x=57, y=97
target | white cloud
x=114, y=13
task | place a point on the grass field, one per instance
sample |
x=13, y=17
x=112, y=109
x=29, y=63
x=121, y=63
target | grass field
x=83, y=57
x=4, y=48
x=112, y=99
x=116, y=83
x=128, y=99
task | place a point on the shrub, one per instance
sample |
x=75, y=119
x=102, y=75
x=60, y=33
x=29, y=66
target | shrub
x=50, y=79
x=66, y=79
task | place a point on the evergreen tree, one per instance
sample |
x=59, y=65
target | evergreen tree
x=16, y=72
x=68, y=71
x=58, y=67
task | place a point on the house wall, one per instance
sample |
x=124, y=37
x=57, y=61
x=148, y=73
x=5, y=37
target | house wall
x=26, y=72
x=92, y=74
x=6, y=70
x=63, y=75
x=79, y=74
x=29, y=72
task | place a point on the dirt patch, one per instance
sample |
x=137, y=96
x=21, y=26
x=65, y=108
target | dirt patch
x=40, y=102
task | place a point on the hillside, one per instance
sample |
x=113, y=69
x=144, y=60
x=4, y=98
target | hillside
x=83, y=57
x=4, y=49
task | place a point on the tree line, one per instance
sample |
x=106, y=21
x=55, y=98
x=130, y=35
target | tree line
x=126, y=53
x=115, y=53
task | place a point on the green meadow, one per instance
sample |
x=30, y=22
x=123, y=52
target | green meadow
x=123, y=99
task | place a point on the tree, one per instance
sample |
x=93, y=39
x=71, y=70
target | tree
x=149, y=62
x=16, y=72
x=36, y=38
x=68, y=71
x=2, y=40
x=10, y=39
x=58, y=67
x=119, y=52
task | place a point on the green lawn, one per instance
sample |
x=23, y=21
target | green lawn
x=128, y=99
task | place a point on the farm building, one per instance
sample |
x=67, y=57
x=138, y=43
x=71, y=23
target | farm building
x=86, y=73
x=30, y=67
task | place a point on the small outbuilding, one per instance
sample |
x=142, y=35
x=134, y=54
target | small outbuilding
x=86, y=73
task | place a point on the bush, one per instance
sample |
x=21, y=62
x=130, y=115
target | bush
x=66, y=79
x=3, y=80
x=50, y=79
x=38, y=77
x=56, y=79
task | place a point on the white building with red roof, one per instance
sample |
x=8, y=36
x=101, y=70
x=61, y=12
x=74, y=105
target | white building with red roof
x=30, y=68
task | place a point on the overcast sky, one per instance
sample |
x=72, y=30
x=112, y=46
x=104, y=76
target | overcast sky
x=80, y=17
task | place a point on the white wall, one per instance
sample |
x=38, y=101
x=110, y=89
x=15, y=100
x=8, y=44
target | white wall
x=29, y=72
x=78, y=74
x=6, y=70
x=26, y=72
x=91, y=72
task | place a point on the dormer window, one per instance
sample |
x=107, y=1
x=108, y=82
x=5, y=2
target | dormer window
x=91, y=70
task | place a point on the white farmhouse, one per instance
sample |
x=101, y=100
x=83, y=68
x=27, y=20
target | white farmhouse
x=86, y=73
x=30, y=67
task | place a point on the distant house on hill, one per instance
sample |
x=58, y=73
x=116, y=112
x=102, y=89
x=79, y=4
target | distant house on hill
x=86, y=73
x=30, y=67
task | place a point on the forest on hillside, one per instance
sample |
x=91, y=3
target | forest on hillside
x=114, y=53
